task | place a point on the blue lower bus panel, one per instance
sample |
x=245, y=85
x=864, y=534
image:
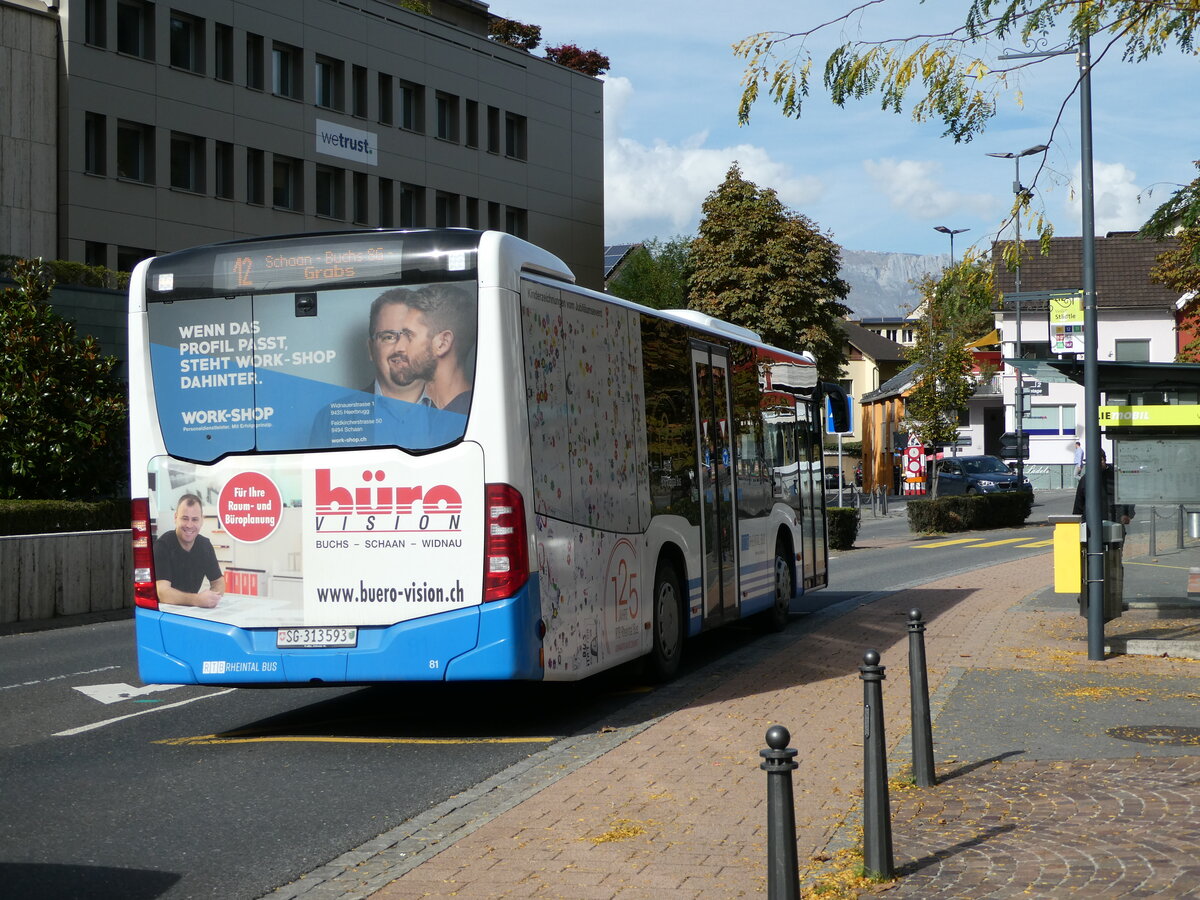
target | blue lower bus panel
x=496, y=640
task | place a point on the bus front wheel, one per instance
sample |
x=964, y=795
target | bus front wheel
x=667, y=651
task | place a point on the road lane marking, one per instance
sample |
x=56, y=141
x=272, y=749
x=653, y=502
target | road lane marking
x=115, y=693
x=206, y=739
x=5, y=687
x=82, y=728
x=1001, y=543
x=945, y=543
x=1046, y=543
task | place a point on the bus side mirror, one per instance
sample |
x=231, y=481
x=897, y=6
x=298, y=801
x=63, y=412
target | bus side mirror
x=839, y=406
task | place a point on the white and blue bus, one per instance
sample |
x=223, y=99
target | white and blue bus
x=427, y=455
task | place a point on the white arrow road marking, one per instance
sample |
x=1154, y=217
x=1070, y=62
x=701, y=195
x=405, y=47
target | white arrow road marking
x=115, y=693
x=152, y=709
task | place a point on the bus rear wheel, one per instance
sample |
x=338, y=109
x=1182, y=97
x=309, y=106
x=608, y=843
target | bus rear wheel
x=667, y=651
x=776, y=618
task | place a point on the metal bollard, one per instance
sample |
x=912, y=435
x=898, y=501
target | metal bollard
x=922, y=727
x=1179, y=544
x=1153, y=531
x=877, y=811
x=783, y=866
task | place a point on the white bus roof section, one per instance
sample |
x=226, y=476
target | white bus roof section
x=713, y=324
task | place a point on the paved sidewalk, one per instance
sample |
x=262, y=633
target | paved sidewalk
x=1031, y=803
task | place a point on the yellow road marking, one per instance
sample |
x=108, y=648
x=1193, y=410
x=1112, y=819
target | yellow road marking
x=1000, y=543
x=319, y=739
x=944, y=543
x=1158, y=566
x=1047, y=543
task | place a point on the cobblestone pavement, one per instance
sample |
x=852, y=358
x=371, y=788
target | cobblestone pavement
x=1049, y=829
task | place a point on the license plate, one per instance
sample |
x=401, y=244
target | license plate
x=316, y=637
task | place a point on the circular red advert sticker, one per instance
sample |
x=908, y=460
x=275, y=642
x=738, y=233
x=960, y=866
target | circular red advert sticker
x=249, y=507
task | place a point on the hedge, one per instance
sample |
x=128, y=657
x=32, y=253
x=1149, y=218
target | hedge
x=971, y=512
x=842, y=522
x=48, y=516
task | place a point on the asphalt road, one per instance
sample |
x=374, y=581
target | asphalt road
x=114, y=790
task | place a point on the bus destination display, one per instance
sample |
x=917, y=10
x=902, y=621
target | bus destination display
x=259, y=268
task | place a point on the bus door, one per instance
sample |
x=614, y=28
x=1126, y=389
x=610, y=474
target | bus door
x=718, y=523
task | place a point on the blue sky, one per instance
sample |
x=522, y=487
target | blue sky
x=875, y=180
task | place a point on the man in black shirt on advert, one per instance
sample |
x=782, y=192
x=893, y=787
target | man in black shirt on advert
x=1109, y=509
x=183, y=558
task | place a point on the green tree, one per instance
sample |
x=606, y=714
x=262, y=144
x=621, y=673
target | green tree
x=956, y=309
x=514, y=33
x=1179, y=269
x=656, y=274
x=960, y=86
x=950, y=76
x=757, y=264
x=63, y=413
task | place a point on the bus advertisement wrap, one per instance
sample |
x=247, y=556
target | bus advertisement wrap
x=226, y=369
x=311, y=540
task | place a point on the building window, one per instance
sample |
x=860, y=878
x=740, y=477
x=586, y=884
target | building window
x=222, y=52
x=187, y=42
x=412, y=106
x=330, y=90
x=286, y=184
x=187, y=162
x=1051, y=419
x=908, y=335
x=95, y=30
x=331, y=192
x=387, y=218
x=1133, y=350
x=358, y=92
x=128, y=257
x=472, y=220
x=95, y=253
x=493, y=214
x=135, y=28
x=472, y=124
x=223, y=169
x=95, y=136
x=360, y=198
x=387, y=102
x=135, y=151
x=286, y=79
x=445, y=210
x=255, y=181
x=412, y=206
x=447, y=116
x=255, y=61
x=493, y=129
x=516, y=222
x=514, y=136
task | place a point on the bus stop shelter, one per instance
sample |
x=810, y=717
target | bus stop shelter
x=1151, y=414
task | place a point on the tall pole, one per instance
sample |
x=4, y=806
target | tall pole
x=1020, y=395
x=1019, y=402
x=1093, y=514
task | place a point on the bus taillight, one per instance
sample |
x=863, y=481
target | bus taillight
x=145, y=594
x=506, y=554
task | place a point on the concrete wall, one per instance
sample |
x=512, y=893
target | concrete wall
x=50, y=575
x=28, y=84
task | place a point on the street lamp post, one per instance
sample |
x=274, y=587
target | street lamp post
x=1019, y=192
x=952, y=232
x=1091, y=370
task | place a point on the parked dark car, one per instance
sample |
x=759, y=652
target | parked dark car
x=978, y=475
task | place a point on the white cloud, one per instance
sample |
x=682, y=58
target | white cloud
x=917, y=189
x=1114, y=198
x=655, y=190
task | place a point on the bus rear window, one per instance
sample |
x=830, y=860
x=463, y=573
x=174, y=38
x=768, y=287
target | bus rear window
x=339, y=368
